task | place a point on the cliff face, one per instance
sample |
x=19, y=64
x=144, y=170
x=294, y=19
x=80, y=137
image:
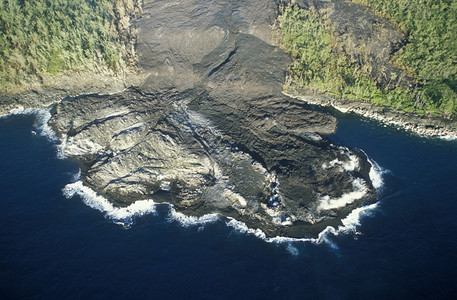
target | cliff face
x=209, y=129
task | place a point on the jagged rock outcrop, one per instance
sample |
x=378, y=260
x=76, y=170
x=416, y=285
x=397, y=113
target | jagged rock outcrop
x=209, y=130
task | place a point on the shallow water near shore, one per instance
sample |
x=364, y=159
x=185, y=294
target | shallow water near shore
x=61, y=248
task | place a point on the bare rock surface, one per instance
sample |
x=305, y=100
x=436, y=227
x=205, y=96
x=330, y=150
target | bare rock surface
x=209, y=130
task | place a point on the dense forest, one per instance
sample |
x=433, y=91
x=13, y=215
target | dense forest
x=41, y=37
x=429, y=56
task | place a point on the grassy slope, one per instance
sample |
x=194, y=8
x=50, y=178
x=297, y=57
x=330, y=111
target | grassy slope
x=41, y=37
x=430, y=57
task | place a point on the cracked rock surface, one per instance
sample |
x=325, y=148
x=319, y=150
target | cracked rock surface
x=210, y=131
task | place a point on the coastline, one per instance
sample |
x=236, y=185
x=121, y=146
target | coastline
x=141, y=142
x=424, y=126
x=69, y=85
x=125, y=216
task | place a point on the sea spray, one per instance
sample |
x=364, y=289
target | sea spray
x=116, y=214
x=375, y=174
x=142, y=207
x=349, y=224
x=360, y=190
x=188, y=221
x=42, y=116
x=139, y=208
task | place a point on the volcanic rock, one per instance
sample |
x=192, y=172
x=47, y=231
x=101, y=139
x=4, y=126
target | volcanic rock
x=211, y=129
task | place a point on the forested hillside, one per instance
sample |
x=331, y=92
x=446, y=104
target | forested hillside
x=429, y=56
x=41, y=37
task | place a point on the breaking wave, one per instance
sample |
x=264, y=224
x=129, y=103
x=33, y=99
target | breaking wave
x=359, y=191
x=350, y=224
x=125, y=215
x=187, y=221
x=120, y=215
x=20, y=111
x=448, y=137
x=375, y=174
x=42, y=116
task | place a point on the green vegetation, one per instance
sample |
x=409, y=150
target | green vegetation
x=46, y=37
x=430, y=56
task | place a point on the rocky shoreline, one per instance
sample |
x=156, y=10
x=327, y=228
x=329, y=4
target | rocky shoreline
x=209, y=130
x=426, y=126
x=370, y=41
x=205, y=125
x=68, y=86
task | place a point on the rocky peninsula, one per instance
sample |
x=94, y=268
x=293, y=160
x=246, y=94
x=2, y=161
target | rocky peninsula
x=204, y=124
x=209, y=129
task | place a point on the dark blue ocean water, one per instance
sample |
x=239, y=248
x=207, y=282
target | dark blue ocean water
x=52, y=247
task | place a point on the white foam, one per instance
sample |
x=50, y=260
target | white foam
x=136, y=209
x=349, y=166
x=360, y=189
x=142, y=207
x=292, y=249
x=95, y=201
x=243, y=228
x=67, y=146
x=139, y=208
x=448, y=137
x=376, y=174
x=350, y=224
x=22, y=111
x=42, y=116
x=187, y=221
x=19, y=111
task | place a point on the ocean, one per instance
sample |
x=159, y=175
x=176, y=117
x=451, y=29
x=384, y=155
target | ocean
x=55, y=245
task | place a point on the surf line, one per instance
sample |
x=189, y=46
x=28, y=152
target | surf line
x=124, y=215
